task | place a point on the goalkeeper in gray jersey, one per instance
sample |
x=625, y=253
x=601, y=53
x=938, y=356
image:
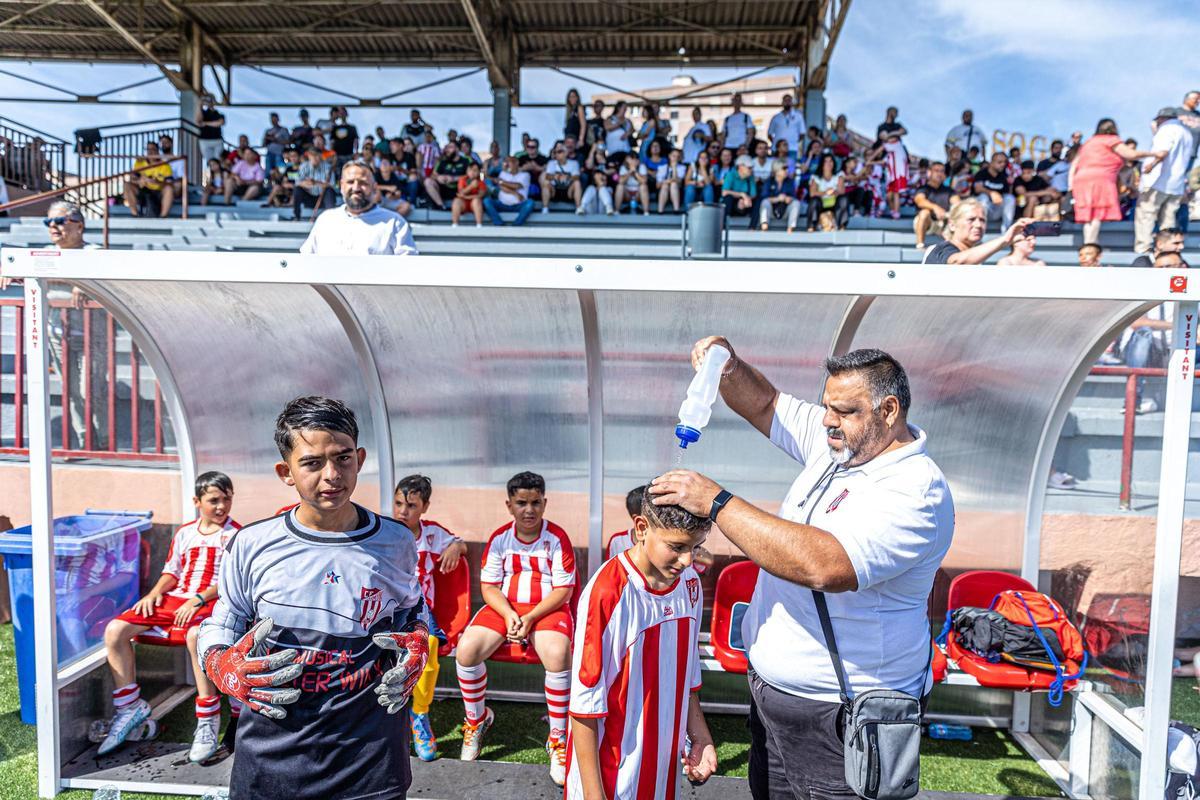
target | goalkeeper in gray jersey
x=320, y=628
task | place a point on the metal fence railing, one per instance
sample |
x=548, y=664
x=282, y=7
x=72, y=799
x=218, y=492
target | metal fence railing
x=108, y=402
x=32, y=159
x=110, y=151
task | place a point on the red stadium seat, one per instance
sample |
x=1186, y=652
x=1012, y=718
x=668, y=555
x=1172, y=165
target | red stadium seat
x=173, y=636
x=452, y=603
x=978, y=588
x=734, y=587
x=939, y=664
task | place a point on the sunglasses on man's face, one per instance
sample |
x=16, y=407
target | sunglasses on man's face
x=59, y=221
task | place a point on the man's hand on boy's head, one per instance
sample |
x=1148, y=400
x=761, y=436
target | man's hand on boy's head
x=681, y=487
x=250, y=678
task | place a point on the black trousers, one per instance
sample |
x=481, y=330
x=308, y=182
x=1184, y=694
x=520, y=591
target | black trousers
x=795, y=746
x=841, y=211
x=302, y=198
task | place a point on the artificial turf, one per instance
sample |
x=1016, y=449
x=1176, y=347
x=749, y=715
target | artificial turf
x=991, y=763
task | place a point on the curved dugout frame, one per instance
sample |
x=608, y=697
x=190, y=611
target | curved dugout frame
x=606, y=351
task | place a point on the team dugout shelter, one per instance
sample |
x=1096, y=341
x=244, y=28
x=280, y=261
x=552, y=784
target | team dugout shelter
x=475, y=368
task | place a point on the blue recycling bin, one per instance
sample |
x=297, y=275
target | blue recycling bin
x=96, y=574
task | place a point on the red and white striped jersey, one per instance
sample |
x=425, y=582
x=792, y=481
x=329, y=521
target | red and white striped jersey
x=895, y=161
x=618, y=543
x=527, y=571
x=431, y=543
x=195, y=558
x=635, y=661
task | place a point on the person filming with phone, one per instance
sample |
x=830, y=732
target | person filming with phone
x=965, y=225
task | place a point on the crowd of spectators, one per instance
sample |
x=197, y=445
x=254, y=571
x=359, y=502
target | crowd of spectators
x=604, y=163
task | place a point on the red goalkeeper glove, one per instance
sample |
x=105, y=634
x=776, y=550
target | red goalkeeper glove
x=246, y=671
x=396, y=685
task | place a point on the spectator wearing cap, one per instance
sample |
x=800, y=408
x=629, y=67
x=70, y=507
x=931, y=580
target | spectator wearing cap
x=787, y=125
x=1035, y=196
x=1164, y=182
x=275, y=140
x=739, y=190
x=737, y=127
x=966, y=135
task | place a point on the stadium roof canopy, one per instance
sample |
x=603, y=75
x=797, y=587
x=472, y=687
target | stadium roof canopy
x=502, y=35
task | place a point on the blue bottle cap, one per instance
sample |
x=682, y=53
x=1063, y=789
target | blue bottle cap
x=687, y=435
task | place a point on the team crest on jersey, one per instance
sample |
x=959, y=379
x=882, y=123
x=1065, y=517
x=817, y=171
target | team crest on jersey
x=668, y=611
x=372, y=604
x=331, y=578
x=693, y=587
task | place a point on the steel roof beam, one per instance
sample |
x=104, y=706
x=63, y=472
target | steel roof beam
x=174, y=77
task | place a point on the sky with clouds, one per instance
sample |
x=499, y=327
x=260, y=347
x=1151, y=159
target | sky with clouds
x=1037, y=66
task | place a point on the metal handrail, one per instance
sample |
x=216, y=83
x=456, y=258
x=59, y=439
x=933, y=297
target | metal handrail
x=36, y=198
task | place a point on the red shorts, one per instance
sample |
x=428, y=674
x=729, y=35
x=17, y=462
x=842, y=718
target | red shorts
x=898, y=185
x=558, y=620
x=164, y=615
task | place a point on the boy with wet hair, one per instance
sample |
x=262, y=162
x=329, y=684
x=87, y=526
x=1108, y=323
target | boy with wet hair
x=320, y=627
x=527, y=578
x=437, y=550
x=620, y=542
x=636, y=663
x=182, y=597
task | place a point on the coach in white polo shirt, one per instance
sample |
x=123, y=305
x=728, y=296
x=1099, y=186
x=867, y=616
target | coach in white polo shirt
x=359, y=226
x=867, y=522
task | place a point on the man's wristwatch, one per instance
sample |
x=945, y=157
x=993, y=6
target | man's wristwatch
x=718, y=503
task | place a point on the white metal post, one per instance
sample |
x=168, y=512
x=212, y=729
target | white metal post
x=1079, y=756
x=1172, y=482
x=41, y=501
x=593, y=356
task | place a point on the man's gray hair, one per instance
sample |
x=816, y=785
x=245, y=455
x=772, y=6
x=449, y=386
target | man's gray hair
x=883, y=375
x=65, y=209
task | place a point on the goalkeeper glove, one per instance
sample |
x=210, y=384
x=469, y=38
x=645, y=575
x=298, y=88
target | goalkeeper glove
x=396, y=685
x=246, y=671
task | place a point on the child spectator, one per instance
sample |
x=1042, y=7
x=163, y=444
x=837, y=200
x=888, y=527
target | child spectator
x=321, y=626
x=855, y=180
x=1090, y=254
x=393, y=187
x=183, y=597
x=437, y=549
x=214, y=180
x=895, y=164
x=527, y=578
x=669, y=178
x=598, y=196
x=428, y=154
x=639, y=626
x=284, y=180
x=471, y=191
x=633, y=183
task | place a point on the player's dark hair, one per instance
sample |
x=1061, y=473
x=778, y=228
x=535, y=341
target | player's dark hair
x=526, y=480
x=213, y=480
x=313, y=414
x=1092, y=246
x=419, y=485
x=883, y=374
x=633, y=500
x=675, y=518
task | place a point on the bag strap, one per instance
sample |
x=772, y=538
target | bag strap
x=831, y=645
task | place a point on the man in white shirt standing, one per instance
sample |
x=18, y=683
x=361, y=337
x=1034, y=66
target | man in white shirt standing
x=866, y=523
x=1164, y=184
x=967, y=135
x=788, y=124
x=736, y=126
x=359, y=227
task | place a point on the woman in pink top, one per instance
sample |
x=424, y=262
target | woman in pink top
x=1093, y=177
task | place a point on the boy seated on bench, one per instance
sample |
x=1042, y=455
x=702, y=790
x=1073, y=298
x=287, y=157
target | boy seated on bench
x=183, y=597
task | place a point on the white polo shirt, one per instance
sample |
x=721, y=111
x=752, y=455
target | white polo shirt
x=379, y=231
x=895, y=518
x=735, y=129
x=787, y=125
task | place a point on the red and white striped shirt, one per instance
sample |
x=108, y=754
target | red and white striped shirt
x=635, y=661
x=527, y=571
x=895, y=160
x=619, y=543
x=431, y=543
x=195, y=558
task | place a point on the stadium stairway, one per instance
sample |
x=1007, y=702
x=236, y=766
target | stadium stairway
x=1090, y=447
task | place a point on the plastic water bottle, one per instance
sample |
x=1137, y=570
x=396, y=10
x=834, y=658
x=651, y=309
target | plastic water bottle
x=942, y=730
x=697, y=406
x=107, y=793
